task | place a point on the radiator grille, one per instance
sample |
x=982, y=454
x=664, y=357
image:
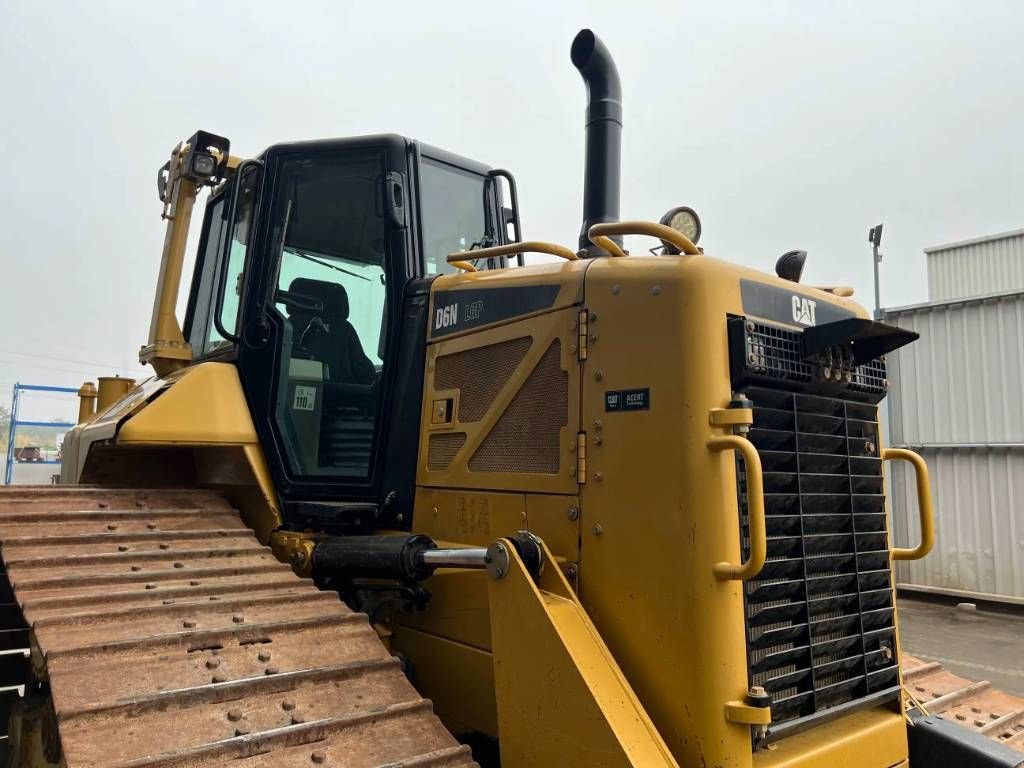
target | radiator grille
x=479, y=374
x=820, y=620
x=527, y=436
x=820, y=624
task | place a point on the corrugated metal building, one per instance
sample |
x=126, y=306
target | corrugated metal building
x=956, y=397
x=976, y=267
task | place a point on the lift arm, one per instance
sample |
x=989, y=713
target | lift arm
x=562, y=699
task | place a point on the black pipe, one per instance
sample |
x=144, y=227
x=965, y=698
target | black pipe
x=603, y=169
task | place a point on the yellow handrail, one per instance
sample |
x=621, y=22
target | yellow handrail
x=529, y=246
x=924, y=504
x=755, y=509
x=463, y=265
x=660, y=231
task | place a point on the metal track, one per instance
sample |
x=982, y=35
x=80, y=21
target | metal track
x=977, y=706
x=164, y=634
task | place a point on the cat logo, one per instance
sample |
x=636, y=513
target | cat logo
x=474, y=311
x=803, y=310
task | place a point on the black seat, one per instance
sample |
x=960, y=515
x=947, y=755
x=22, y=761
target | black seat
x=332, y=340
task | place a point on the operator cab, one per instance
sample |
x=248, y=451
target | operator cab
x=313, y=276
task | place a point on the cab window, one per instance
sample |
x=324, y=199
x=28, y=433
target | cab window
x=452, y=212
x=331, y=294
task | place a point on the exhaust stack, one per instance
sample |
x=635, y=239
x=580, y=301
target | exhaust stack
x=604, y=136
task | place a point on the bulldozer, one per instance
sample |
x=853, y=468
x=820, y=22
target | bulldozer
x=395, y=497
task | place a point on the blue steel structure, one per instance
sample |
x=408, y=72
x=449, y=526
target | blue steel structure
x=15, y=423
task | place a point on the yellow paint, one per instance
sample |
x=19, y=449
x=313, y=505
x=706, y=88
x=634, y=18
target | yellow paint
x=924, y=504
x=206, y=405
x=875, y=738
x=654, y=508
x=562, y=699
x=755, y=505
x=660, y=231
x=460, y=679
x=530, y=246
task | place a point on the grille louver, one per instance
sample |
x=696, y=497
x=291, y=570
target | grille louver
x=820, y=619
x=820, y=628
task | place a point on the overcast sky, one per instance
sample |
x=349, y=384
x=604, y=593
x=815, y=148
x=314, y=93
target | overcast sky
x=785, y=124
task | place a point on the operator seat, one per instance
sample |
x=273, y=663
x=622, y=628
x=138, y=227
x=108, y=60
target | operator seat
x=335, y=342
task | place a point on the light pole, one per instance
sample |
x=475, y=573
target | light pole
x=875, y=238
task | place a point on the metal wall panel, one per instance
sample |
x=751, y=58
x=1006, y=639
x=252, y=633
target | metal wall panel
x=956, y=397
x=976, y=267
x=961, y=381
x=979, y=511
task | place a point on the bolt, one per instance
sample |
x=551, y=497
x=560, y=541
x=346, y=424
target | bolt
x=112, y=527
x=571, y=573
x=750, y=326
x=319, y=756
x=572, y=348
x=598, y=476
x=593, y=337
x=287, y=705
x=598, y=529
x=151, y=526
x=655, y=290
x=164, y=545
x=400, y=516
x=272, y=670
x=218, y=679
x=869, y=447
x=193, y=583
x=598, y=440
x=141, y=504
x=168, y=602
x=136, y=567
x=593, y=317
x=572, y=446
x=242, y=731
x=264, y=656
x=574, y=513
x=572, y=471
x=122, y=548
x=188, y=624
x=103, y=505
x=298, y=719
x=238, y=618
x=572, y=326
x=151, y=586
x=598, y=424
x=179, y=565
x=212, y=663
x=598, y=375
x=234, y=715
x=615, y=290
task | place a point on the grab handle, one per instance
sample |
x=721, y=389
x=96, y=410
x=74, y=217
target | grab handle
x=924, y=504
x=598, y=235
x=755, y=509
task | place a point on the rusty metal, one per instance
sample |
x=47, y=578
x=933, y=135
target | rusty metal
x=976, y=705
x=167, y=635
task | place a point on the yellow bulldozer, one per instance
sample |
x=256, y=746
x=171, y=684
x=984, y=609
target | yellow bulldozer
x=395, y=498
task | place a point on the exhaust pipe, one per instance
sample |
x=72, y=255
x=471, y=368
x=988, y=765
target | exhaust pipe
x=604, y=136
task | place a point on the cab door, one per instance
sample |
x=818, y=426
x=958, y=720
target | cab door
x=318, y=348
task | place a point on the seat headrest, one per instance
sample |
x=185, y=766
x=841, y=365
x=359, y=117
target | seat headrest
x=332, y=295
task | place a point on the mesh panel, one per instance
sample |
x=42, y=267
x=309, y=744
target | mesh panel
x=442, y=449
x=479, y=374
x=526, y=437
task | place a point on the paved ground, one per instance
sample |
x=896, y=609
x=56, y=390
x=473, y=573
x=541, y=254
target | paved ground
x=980, y=645
x=30, y=474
